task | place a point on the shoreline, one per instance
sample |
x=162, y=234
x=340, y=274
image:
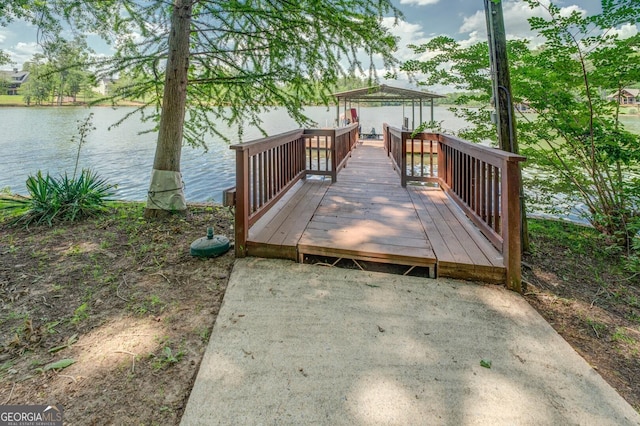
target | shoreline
x=68, y=105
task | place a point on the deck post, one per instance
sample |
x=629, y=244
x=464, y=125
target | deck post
x=511, y=222
x=385, y=138
x=242, y=203
x=442, y=168
x=334, y=154
x=404, y=137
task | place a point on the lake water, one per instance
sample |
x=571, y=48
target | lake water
x=35, y=139
x=41, y=139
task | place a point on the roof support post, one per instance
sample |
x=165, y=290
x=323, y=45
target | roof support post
x=432, y=110
x=402, y=125
x=413, y=114
x=345, y=113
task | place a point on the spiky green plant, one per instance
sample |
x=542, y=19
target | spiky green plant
x=60, y=199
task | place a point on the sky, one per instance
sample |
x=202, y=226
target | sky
x=463, y=20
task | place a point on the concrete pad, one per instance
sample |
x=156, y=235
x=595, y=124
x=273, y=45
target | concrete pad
x=298, y=344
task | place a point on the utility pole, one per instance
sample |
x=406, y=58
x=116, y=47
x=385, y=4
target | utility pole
x=505, y=117
x=500, y=76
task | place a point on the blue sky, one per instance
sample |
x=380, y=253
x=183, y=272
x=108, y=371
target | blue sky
x=461, y=19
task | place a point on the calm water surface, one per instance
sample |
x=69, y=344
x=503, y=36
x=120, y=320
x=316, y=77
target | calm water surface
x=35, y=139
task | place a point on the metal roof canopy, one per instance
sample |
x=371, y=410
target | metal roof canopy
x=382, y=93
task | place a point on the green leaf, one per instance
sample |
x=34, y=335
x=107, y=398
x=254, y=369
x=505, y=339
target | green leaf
x=57, y=348
x=486, y=363
x=73, y=339
x=59, y=365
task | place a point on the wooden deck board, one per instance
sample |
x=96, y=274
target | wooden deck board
x=468, y=233
x=477, y=247
x=355, y=238
x=265, y=228
x=327, y=223
x=286, y=227
x=339, y=194
x=451, y=250
x=367, y=215
x=458, y=233
x=300, y=218
x=345, y=221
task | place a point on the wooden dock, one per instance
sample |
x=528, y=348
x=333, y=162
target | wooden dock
x=367, y=215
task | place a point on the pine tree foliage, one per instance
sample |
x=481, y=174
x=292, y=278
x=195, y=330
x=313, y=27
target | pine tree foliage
x=245, y=55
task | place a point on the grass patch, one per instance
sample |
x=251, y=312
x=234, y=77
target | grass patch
x=12, y=100
x=568, y=242
x=600, y=306
x=167, y=357
x=621, y=336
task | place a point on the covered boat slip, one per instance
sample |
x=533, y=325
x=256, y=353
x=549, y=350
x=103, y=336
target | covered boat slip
x=367, y=215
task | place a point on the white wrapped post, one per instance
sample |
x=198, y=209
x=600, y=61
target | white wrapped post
x=166, y=191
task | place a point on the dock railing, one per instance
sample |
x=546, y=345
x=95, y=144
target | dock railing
x=483, y=181
x=329, y=147
x=267, y=168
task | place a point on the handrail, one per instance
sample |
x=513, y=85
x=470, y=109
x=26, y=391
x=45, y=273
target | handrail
x=329, y=147
x=419, y=167
x=483, y=181
x=267, y=168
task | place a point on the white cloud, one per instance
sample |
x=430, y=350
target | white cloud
x=625, y=31
x=516, y=15
x=567, y=11
x=23, y=52
x=2, y=37
x=407, y=34
x=419, y=2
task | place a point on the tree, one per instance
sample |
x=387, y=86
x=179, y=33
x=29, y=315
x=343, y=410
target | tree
x=67, y=60
x=166, y=178
x=40, y=86
x=224, y=60
x=4, y=58
x=616, y=66
x=239, y=57
x=56, y=73
x=575, y=140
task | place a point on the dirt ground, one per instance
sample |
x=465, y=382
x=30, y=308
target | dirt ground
x=121, y=301
x=121, y=298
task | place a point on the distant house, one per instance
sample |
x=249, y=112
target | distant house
x=626, y=97
x=523, y=106
x=105, y=85
x=15, y=78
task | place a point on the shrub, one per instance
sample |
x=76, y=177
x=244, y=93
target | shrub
x=59, y=199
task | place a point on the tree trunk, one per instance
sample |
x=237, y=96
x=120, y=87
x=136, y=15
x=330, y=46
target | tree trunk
x=166, y=193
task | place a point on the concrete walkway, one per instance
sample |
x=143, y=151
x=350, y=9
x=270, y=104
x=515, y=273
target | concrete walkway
x=298, y=345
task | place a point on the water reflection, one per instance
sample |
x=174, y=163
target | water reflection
x=40, y=139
